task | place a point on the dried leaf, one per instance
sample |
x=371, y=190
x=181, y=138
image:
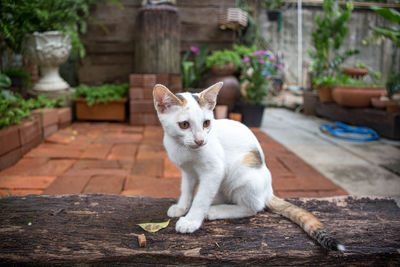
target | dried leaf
x=154, y=227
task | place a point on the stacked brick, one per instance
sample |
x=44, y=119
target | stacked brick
x=141, y=105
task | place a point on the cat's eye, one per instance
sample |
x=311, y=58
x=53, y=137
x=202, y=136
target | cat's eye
x=184, y=124
x=206, y=123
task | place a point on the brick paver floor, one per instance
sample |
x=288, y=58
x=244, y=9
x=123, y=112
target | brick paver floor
x=129, y=160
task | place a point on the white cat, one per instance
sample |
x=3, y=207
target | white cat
x=225, y=160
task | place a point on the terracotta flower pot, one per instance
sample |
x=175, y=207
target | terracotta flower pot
x=354, y=96
x=114, y=110
x=230, y=92
x=355, y=73
x=325, y=93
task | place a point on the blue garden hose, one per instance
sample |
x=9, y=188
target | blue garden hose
x=352, y=133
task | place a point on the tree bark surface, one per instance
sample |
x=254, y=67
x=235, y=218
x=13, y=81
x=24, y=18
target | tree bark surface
x=100, y=229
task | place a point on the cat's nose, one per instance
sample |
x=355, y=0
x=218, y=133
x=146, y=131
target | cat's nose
x=199, y=142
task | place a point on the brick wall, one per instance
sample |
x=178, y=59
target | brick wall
x=110, y=56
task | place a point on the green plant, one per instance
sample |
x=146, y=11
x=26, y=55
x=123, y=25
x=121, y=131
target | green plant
x=392, y=33
x=221, y=57
x=101, y=94
x=273, y=4
x=13, y=108
x=193, y=71
x=4, y=81
x=20, y=17
x=243, y=50
x=18, y=72
x=328, y=35
x=341, y=79
x=44, y=101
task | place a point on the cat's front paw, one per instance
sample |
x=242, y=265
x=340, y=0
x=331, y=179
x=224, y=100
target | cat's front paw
x=184, y=225
x=176, y=211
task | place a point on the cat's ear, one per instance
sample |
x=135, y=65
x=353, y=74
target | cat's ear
x=209, y=96
x=164, y=99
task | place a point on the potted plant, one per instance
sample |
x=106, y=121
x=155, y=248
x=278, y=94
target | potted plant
x=392, y=33
x=222, y=65
x=254, y=86
x=327, y=36
x=193, y=71
x=273, y=9
x=359, y=71
x=106, y=102
x=20, y=77
x=44, y=30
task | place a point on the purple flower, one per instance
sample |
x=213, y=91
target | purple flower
x=272, y=57
x=261, y=61
x=279, y=66
x=246, y=59
x=194, y=49
x=268, y=77
x=259, y=53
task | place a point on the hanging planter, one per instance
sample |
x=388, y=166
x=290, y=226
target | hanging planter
x=273, y=15
x=233, y=18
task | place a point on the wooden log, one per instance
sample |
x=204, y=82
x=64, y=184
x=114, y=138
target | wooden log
x=157, y=49
x=102, y=230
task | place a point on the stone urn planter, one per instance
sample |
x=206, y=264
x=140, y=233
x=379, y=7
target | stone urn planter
x=48, y=50
x=230, y=92
x=355, y=96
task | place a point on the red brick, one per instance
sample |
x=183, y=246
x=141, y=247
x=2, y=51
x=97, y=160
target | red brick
x=29, y=130
x=298, y=166
x=150, y=151
x=140, y=119
x=136, y=93
x=24, y=167
x=53, y=167
x=136, y=80
x=126, y=152
x=306, y=184
x=96, y=171
x=105, y=184
x=19, y=192
x=96, y=151
x=175, y=83
x=10, y=158
x=84, y=164
x=55, y=151
x=162, y=78
x=9, y=139
x=142, y=106
x=149, y=80
x=152, y=187
x=277, y=168
x=133, y=129
x=170, y=170
x=119, y=138
x=148, y=167
x=47, y=116
x=67, y=185
x=49, y=130
x=64, y=117
x=26, y=182
x=61, y=137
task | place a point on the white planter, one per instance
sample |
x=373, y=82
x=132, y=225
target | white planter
x=48, y=50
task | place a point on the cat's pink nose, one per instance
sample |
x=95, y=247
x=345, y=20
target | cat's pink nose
x=199, y=142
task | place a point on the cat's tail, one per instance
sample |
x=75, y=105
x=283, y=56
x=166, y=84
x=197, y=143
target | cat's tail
x=310, y=224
